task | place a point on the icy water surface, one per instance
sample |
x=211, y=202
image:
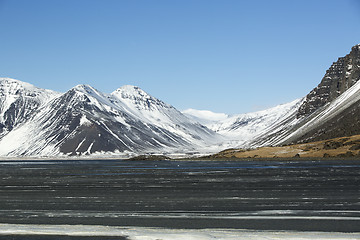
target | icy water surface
x=255, y=195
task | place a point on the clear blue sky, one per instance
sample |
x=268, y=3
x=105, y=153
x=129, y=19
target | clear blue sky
x=229, y=56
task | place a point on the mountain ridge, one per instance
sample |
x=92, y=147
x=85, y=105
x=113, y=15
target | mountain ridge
x=112, y=126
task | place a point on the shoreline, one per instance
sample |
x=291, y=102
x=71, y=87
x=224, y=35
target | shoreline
x=190, y=159
x=97, y=232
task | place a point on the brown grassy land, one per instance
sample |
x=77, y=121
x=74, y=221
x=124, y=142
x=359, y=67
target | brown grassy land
x=337, y=147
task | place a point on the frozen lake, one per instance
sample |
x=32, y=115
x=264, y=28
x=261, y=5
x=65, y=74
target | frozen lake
x=321, y=196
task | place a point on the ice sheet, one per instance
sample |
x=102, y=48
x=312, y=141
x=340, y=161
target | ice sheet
x=140, y=233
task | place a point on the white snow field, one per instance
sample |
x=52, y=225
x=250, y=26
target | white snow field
x=140, y=233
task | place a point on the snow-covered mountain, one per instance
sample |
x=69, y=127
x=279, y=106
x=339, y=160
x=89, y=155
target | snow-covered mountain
x=39, y=122
x=330, y=110
x=84, y=121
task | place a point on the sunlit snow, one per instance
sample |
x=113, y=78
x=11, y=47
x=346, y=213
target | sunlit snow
x=141, y=233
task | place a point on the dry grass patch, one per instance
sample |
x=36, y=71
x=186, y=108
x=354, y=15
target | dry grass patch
x=337, y=147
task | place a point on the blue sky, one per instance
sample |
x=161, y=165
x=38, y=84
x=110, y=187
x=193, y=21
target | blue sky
x=229, y=56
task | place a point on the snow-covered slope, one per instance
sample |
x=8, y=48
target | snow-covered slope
x=150, y=110
x=240, y=130
x=332, y=110
x=84, y=121
x=249, y=124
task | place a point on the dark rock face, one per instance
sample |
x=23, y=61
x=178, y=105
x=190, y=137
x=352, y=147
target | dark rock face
x=338, y=78
x=19, y=111
x=341, y=76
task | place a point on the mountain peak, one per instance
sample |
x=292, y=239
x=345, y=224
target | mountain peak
x=12, y=80
x=130, y=87
x=355, y=48
x=88, y=90
x=137, y=97
x=83, y=88
x=130, y=91
x=12, y=85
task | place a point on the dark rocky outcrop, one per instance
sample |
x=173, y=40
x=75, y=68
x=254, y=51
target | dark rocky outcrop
x=342, y=74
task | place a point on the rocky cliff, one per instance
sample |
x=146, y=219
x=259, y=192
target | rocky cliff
x=342, y=75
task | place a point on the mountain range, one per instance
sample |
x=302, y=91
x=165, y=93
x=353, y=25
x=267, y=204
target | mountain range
x=38, y=122
x=129, y=121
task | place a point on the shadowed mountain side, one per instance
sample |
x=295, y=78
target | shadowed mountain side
x=345, y=124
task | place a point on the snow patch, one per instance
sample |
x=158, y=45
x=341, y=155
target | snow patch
x=84, y=121
x=88, y=151
x=77, y=148
x=143, y=233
